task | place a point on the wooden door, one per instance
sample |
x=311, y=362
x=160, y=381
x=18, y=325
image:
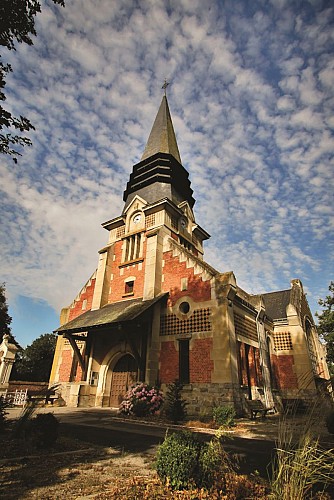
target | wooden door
x=124, y=375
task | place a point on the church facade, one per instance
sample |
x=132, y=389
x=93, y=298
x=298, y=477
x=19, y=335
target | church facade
x=154, y=311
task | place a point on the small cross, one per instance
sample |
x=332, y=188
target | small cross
x=165, y=85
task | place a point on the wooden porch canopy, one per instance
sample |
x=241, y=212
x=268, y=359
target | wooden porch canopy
x=117, y=315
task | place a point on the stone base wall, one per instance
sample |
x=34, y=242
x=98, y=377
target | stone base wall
x=202, y=398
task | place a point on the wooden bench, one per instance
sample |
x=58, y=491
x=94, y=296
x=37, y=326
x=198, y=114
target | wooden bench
x=44, y=397
x=256, y=406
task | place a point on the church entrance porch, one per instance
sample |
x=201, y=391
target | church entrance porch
x=124, y=375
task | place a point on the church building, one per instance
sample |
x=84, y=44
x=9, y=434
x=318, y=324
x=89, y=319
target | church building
x=154, y=311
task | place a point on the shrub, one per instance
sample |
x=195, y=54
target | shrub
x=43, y=430
x=141, y=400
x=177, y=460
x=185, y=462
x=330, y=422
x=3, y=413
x=213, y=463
x=224, y=416
x=175, y=406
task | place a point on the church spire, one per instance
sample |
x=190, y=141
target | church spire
x=160, y=173
x=162, y=137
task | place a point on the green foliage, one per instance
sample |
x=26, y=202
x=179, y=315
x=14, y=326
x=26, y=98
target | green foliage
x=175, y=406
x=326, y=322
x=213, y=462
x=224, y=416
x=43, y=430
x=3, y=413
x=34, y=363
x=5, y=319
x=185, y=462
x=177, y=460
x=330, y=422
x=17, y=24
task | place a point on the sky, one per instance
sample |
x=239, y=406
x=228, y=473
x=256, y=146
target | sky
x=251, y=96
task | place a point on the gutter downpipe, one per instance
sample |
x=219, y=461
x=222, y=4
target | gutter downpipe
x=264, y=358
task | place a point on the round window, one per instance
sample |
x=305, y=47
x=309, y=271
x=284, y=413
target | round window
x=184, y=307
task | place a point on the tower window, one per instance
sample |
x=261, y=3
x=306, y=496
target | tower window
x=129, y=286
x=132, y=247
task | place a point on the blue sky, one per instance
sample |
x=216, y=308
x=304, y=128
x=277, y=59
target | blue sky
x=251, y=96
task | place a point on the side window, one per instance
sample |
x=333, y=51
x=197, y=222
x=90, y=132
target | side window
x=129, y=287
x=184, y=361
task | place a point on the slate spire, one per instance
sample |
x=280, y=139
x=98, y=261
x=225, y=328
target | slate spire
x=160, y=173
x=162, y=137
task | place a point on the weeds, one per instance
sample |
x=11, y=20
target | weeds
x=301, y=465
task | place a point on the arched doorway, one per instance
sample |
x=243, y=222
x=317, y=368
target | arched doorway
x=123, y=376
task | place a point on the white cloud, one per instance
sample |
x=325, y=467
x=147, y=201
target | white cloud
x=252, y=100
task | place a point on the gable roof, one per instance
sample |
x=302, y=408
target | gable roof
x=118, y=312
x=276, y=303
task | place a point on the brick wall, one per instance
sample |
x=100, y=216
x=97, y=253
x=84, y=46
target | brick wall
x=169, y=362
x=87, y=294
x=174, y=271
x=283, y=369
x=117, y=284
x=201, y=364
x=66, y=365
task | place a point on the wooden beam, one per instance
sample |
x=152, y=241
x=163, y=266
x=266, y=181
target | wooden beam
x=76, y=351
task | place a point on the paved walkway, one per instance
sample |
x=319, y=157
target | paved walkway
x=252, y=441
x=259, y=429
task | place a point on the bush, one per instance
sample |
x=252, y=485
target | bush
x=43, y=430
x=224, y=416
x=185, y=462
x=175, y=406
x=177, y=460
x=213, y=462
x=330, y=422
x=141, y=400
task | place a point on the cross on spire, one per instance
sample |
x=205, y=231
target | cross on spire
x=165, y=85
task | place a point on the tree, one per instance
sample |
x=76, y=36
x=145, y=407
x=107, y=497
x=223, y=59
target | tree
x=5, y=319
x=326, y=322
x=17, y=23
x=35, y=361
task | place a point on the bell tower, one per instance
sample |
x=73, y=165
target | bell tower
x=158, y=210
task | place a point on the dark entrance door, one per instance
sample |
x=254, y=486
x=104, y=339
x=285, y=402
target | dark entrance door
x=124, y=375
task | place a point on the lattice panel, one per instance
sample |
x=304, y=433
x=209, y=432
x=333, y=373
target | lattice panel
x=120, y=232
x=282, y=341
x=199, y=321
x=149, y=220
x=245, y=327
